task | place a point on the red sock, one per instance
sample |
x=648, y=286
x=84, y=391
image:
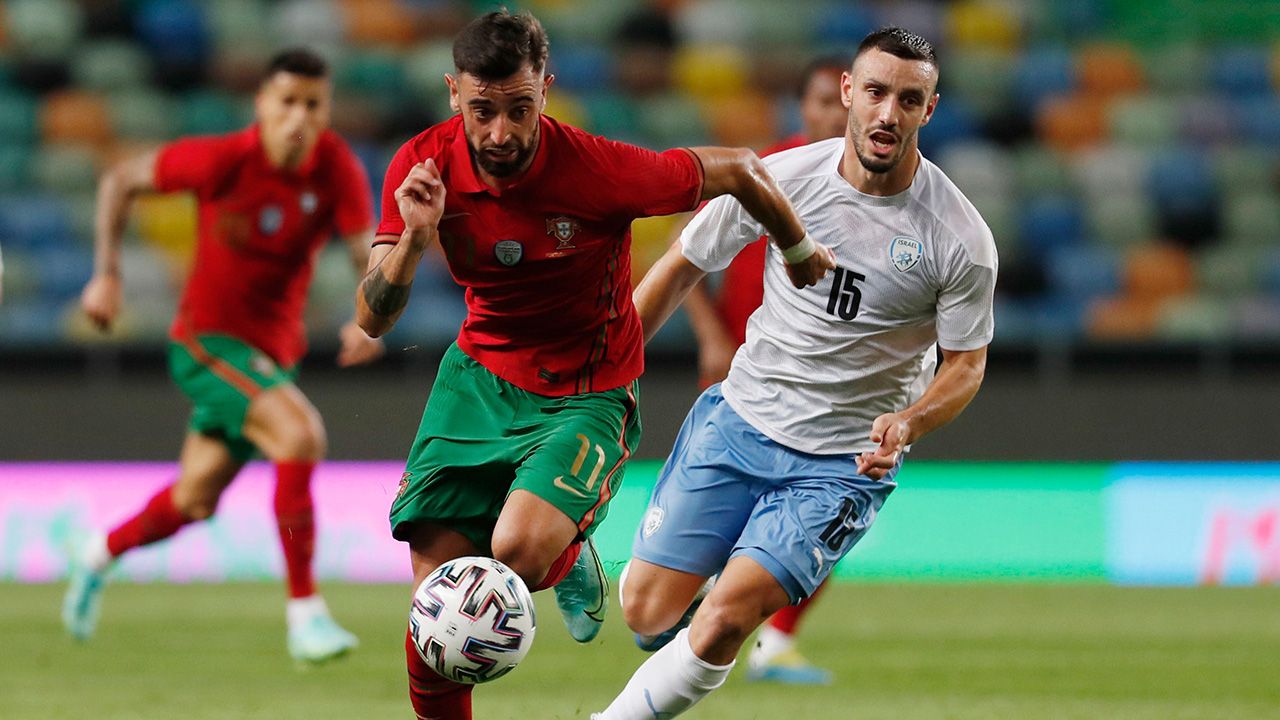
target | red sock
x=786, y=619
x=294, y=515
x=561, y=566
x=433, y=697
x=157, y=521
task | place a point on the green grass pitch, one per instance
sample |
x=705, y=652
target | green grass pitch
x=901, y=651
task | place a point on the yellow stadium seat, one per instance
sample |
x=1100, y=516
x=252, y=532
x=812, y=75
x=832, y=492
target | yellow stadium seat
x=977, y=23
x=710, y=72
x=650, y=238
x=746, y=120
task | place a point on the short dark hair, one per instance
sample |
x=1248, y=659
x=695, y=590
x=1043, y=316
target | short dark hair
x=836, y=63
x=497, y=45
x=297, y=61
x=900, y=43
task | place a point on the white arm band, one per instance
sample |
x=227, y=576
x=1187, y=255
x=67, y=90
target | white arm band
x=799, y=252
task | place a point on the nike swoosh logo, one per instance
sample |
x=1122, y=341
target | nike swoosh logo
x=451, y=216
x=560, y=483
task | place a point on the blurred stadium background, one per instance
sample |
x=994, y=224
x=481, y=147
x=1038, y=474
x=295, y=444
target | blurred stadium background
x=1126, y=154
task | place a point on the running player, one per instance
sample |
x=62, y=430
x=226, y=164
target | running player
x=270, y=196
x=777, y=472
x=720, y=325
x=533, y=410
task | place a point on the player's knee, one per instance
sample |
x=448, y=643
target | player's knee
x=303, y=439
x=646, y=610
x=525, y=556
x=727, y=624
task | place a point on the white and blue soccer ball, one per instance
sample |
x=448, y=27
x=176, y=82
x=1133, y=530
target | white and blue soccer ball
x=472, y=620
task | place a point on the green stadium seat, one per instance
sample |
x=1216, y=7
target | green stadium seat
x=17, y=117
x=998, y=210
x=424, y=71
x=1252, y=218
x=1041, y=171
x=982, y=77
x=15, y=166
x=1231, y=271
x=1121, y=219
x=143, y=115
x=672, y=120
x=978, y=166
x=44, y=28
x=1242, y=169
x=1177, y=68
x=65, y=168
x=235, y=22
x=111, y=66
x=373, y=71
x=1144, y=120
x=781, y=25
x=613, y=115
x=1195, y=318
x=209, y=112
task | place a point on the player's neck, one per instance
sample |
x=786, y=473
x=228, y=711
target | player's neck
x=880, y=184
x=281, y=158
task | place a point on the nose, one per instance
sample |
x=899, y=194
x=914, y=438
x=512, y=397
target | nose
x=499, y=131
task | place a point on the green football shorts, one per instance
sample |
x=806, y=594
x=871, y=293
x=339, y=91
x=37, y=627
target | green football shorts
x=221, y=375
x=482, y=437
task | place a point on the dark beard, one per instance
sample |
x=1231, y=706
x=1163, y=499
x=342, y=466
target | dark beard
x=514, y=166
x=875, y=165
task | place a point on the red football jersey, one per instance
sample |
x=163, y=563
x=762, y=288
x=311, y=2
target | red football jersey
x=546, y=261
x=742, y=284
x=260, y=229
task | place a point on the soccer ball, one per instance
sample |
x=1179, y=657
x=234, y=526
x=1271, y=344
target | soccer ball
x=472, y=620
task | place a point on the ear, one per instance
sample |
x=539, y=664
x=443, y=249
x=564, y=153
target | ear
x=455, y=103
x=928, y=111
x=846, y=89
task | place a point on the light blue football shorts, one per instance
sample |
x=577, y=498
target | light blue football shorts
x=728, y=490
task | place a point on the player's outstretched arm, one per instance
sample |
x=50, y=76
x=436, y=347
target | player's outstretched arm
x=740, y=173
x=663, y=288
x=117, y=187
x=357, y=348
x=955, y=385
x=385, y=289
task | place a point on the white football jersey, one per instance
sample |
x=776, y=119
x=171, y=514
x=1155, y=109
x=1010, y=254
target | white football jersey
x=914, y=269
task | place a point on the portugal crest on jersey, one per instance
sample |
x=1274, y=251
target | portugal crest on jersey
x=905, y=252
x=563, y=229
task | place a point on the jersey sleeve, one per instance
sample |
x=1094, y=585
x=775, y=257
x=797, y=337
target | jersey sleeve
x=650, y=183
x=718, y=233
x=353, y=211
x=193, y=163
x=397, y=171
x=965, y=319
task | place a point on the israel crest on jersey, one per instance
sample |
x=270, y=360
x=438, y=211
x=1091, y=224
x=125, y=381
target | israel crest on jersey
x=508, y=252
x=905, y=252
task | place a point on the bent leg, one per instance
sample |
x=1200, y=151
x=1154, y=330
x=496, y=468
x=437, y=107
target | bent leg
x=699, y=659
x=431, y=695
x=654, y=598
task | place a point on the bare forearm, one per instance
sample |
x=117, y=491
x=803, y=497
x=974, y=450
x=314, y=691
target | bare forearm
x=740, y=173
x=703, y=318
x=662, y=290
x=384, y=291
x=955, y=385
x=111, y=215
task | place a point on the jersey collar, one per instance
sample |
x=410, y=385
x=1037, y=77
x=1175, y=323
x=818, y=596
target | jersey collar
x=308, y=164
x=466, y=179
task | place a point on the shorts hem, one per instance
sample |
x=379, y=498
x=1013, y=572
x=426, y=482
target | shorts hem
x=793, y=586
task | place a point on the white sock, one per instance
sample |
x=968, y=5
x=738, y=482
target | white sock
x=667, y=684
x=770, y=643
x=95, y=554
x=299, y=611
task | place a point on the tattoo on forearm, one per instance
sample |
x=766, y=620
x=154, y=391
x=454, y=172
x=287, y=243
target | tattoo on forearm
x=382, y=297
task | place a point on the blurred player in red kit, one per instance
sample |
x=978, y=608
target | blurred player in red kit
x=269, y=197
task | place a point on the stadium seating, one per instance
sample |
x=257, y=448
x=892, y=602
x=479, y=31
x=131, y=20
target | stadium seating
x=1125, y=155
